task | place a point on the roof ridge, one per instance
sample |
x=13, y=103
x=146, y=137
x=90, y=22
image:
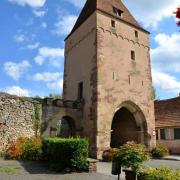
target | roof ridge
x=105, y=6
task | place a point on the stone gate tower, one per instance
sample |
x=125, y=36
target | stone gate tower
x=107, y=66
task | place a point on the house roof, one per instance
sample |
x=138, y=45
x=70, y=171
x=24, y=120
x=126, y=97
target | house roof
x=105, y=6
x=167, y=113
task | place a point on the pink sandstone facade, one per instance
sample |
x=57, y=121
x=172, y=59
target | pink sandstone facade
x=107, y=67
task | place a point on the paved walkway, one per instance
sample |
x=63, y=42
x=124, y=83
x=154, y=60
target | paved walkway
x=172, y=157
x=17, y=170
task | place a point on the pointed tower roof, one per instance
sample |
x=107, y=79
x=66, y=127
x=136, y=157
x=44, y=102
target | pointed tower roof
x=107, y=7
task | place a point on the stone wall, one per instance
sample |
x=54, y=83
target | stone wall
x=57, y=110
x=15, y=118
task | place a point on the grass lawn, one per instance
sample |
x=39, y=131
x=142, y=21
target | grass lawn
x=10, y=170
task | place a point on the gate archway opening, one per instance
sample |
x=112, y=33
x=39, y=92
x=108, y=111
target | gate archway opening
x=68, y=128
x=128, y=124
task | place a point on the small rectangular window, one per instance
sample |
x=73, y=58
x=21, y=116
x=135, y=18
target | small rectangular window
x=113, y=23
x=114, y=76
x=80, y=90
x=162, y=134
x=133, y=55
x=177, y=133
x=136, y=34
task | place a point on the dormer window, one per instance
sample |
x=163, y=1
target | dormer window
x=118, y=12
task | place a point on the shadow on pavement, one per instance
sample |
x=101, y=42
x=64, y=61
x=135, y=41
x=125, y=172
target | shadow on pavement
x=37, y=167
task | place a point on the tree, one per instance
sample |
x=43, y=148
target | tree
x=154, y=94
x=54, y=96
x=178, y=16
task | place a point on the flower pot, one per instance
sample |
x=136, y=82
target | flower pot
x=130, y=175
x=116, y=168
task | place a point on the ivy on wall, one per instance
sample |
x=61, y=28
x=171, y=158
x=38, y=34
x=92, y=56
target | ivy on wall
x=36, y=118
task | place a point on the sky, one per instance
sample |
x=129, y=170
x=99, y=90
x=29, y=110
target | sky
x=32, y=34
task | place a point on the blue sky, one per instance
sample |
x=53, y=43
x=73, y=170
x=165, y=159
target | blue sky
x=32, y=36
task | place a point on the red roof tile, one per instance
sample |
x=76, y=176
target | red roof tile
x=105, y=6
x=167, y=112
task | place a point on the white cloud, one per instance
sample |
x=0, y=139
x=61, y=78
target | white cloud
x=58, y=85
x=150, y=12
x=47, y=76
x=53, y=81
x=64, y=24
x=33, y=46
x=16, y=90
x=54, y=55
x=44, y=25
x=31, y=3
x=166, y=55
x=21, y=38
x=77, y=3
x=166, y=82
x=39, y=13
x=16, y=70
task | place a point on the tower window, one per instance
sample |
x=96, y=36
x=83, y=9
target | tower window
x=136, y=34
x=80, y=90
x=133, y=55
x=113, y=23
x=114, y=76
x=118, y=12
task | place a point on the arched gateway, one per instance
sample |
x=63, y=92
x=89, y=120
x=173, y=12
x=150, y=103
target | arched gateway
x=68, y=128
x=129, y=124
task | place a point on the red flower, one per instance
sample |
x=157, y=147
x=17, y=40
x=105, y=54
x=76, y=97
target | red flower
x=178, y=13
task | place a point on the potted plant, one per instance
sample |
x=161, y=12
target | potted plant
x=160, y=152
x=131, y=156
x=108, y=154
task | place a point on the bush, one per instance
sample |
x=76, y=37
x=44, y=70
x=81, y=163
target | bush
x=66, y=153
x=26, y=149
x=160, y=151
x=164, y=173
x=132, y=155
x=32, y=149
x=109, y=154
x=15, y=150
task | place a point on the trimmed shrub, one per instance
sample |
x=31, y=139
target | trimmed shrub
x=66, y=153
x=26, y=149
x=160, y=151
x=109, y=154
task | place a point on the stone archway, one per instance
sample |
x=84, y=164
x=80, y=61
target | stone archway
x=128, y=124
x=68, y=128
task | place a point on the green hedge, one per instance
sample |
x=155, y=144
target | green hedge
x=66, y=153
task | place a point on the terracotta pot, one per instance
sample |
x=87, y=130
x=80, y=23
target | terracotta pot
x=130, y=175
